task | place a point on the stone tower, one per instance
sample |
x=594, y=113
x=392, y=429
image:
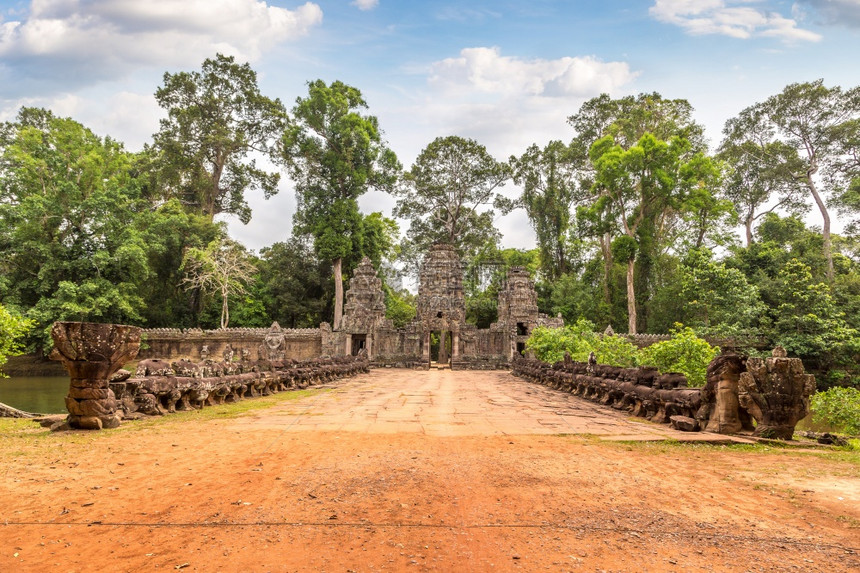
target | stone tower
x=441, y=300
x=364, y=309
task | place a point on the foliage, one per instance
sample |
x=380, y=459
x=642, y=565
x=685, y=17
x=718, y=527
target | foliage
x=443, y=192
x=334, y=155
x=685, y=353
x=216, y=118
x=399, y=306
x=550, y=180
x=222, y=268
x=805, y=132
x=839, y=408
x=295, y=286
x=551, y=344
x=808, y=322
x=69, y=248
x=12, y=330
x=715, y=298
x=652, y=178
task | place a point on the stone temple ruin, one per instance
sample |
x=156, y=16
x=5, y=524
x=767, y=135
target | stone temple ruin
x=439, y=334
x=194, y=368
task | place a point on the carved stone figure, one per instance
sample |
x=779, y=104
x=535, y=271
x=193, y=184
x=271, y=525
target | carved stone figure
x=775, y=391
x=91, y=353
x=721, y=411
x=274, y=344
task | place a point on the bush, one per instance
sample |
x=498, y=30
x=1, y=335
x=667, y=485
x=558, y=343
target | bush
x=685, y=353
x=550, y=344
x=616, y=351
x=839, y=408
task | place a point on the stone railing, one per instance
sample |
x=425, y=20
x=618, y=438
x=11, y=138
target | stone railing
x=161, y=387
x=643, y=392
x=764, y=396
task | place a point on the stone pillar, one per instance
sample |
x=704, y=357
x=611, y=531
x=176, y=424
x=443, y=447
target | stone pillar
x=443, y=347
x=91, y=353
x=455, y=345
x=348, y=346
x=775, y=391
x=425, y=353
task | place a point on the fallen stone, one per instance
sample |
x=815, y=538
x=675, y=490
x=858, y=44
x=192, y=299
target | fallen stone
x=684, y=423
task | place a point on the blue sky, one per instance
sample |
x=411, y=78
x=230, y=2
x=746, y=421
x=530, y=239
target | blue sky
x=506, y=73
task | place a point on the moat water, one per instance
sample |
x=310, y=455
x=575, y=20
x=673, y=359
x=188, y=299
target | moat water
x=42, y=394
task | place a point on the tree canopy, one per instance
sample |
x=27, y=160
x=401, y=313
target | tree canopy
x=443, y=193
x=334, y=154
x=218, y=124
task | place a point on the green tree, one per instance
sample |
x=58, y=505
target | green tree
x=168, y=232
x=222, y=268
x=216, y=119
x=814, y=122
x=12, y=330
x=685, y=353
x=715, y=298
x=759, y=185
x=627, y=120
x=550, y=180
x=295, y=289
x=807, y=321
x=334, y=155
x=651, y=177
x=450, y=181
x=69, y=249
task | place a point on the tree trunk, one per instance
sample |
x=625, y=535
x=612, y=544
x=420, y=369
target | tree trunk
x=337, y=265
x=825, y=227
x=10, y=412
x=748, y=227
x=607, y=268
x=225, y=311
x=631, y=299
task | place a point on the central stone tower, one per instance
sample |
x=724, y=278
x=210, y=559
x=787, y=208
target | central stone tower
x=441, y=302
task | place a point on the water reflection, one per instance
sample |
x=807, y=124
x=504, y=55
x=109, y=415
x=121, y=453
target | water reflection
x=42, y=394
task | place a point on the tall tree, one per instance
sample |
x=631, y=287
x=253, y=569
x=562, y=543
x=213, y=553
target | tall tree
x=550, y=180
x=626, y=120
x=814, y=121
x=652, y=176
x=222, y=268
x=69, y=249
x=450, y=181
x=217, y=120
x=760, y=180
x=334, y=155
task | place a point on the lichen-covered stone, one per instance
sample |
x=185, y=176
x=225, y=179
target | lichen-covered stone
x=92, y=353
x=775, y=391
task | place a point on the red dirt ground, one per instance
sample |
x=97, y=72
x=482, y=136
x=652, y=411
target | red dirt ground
x=225, y=495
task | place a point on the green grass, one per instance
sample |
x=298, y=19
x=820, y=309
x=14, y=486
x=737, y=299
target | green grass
x=17, y=435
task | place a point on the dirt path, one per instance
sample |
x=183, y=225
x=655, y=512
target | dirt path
x=403, y=471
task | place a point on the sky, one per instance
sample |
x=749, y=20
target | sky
x=506, y=73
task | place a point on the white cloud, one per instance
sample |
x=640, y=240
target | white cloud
x=735, y=18
x=80, y=40
x=485, y=70
x=365, y=4
x=836, y=12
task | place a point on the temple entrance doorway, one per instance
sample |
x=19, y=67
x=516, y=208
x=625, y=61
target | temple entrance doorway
x=440, y=348
x=358, y=343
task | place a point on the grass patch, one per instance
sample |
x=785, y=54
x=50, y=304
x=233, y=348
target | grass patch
x=223, y=411
x=24, y=432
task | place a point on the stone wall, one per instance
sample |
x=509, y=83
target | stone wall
x=196, y=344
